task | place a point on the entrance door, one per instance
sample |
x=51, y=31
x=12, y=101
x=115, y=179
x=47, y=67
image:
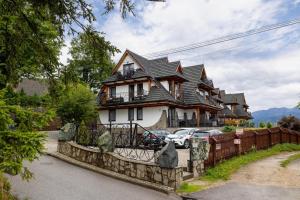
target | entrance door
x=131, y=92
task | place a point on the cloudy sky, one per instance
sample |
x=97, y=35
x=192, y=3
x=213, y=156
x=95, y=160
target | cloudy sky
x=266, y=67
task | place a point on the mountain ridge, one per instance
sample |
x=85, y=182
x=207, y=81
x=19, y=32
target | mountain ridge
x=274, y=114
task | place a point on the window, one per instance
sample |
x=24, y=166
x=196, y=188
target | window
x=112, y=115
x=139, y=113
x=128, y=69
x=140, y=90
x=130, y=114
x=112, y=92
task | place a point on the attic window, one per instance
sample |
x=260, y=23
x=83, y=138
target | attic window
x=128, y=69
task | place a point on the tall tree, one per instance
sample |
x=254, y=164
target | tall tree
x=32, y=32
x=91, y=58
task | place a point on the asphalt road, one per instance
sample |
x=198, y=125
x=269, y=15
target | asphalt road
x=58, y=180
x=238, y=191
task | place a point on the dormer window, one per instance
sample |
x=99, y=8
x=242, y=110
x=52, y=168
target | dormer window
x=128, y=69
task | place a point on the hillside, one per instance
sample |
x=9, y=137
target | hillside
x=274, y=114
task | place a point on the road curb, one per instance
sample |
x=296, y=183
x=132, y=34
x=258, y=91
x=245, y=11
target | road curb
x=153, y=186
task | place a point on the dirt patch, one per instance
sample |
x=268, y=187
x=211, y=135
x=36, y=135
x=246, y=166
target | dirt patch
x=269, y=172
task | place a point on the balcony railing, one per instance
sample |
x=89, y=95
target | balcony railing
x=123, y=97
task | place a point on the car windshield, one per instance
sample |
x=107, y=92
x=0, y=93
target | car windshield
x=182, y=132
x=155, y=132
x=201, y=134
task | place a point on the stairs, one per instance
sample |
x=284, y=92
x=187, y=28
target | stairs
x=187, y=175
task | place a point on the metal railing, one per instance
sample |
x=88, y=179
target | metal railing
x=129, y=140
x=122, y=97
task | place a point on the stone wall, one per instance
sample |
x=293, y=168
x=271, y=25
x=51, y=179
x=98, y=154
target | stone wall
x=136, y=169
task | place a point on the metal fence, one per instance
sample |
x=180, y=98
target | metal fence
x=129, y=140
x=228, y=145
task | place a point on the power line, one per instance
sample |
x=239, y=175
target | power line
x=222, y=39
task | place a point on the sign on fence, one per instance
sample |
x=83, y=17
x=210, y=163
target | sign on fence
x=199, y=149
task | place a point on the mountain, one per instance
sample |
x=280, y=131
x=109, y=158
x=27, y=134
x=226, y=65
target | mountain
x=274, y=114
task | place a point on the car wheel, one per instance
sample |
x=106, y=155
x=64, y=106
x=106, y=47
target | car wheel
x=186, y=144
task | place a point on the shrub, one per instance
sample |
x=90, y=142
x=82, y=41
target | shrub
x=262, y=125
x=290, y=122
x=229, y=129
x=83, y=135
x=269, y=125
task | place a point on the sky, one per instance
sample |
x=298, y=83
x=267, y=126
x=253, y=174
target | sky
x=266, y=66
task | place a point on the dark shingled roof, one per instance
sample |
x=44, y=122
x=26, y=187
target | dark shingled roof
x=190, y=88
x=32, y=87
x=159, y=94
x=158, y=68
x=226, y=112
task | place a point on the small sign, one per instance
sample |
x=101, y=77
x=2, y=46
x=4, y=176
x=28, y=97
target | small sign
x=195, y=144
x=237, y=141
x=218, y=146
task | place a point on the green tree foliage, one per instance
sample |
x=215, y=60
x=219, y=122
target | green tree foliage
x=269, y=125
x=262, y=125
x=32, y=32
x=83, y=136
x=91, y=59
x=77, y=104
x=19, y=140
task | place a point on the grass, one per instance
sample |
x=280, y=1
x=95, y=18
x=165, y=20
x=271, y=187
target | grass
x=188, y=188
x=290, y=159
x=5, y=189
x=224, y=170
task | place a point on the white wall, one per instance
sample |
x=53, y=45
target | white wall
x=165, y=84
x=151, y=116
x=127, y=60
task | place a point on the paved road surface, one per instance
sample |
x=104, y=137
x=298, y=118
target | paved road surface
x=58, y=180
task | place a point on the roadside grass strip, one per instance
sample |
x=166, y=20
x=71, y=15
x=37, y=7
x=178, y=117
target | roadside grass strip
x=223, y=170
x=188, y=188
x=290, y=159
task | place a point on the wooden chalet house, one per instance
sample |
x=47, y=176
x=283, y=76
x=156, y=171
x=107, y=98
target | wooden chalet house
x=158, y=93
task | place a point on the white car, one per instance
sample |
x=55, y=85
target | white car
x=181, y=137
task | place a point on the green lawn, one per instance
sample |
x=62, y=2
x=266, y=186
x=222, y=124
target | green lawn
x=290, y=159
x=224, y=170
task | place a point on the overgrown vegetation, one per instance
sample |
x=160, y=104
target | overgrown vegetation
x=290, y=122
x=5, y=189
x=227, y=129
x=224, y=170
x=188, y=188
x=290, y=159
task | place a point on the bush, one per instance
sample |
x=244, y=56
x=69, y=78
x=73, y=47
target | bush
x=229, y=129
x=262, y=125
x=290, y=122
x=77, y=105
x=83, y=135
x=269, y=125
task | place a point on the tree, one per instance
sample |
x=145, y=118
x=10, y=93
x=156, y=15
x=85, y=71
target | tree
x=290, y=122
x=269, y=125
x=32, y=32
x=262, y=125
x=91, y=59
x=77, y=105
x=19, y=140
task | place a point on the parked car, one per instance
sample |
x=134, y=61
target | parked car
x=204, y=134
x=181, y=137
x=157, y=137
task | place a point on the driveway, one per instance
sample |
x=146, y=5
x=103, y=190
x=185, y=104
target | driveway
x=262, y=180
x=58, y=180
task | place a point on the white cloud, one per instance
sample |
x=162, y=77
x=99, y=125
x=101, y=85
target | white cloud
x=268, y=81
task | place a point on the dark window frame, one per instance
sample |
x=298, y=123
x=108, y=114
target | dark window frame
x=130, y=114
x=139, y=113
x=140, y=89
x=128, y=68
x=111, y=89
x=112, y=115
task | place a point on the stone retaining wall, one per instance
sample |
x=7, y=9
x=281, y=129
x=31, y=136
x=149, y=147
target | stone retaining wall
x=136, y=169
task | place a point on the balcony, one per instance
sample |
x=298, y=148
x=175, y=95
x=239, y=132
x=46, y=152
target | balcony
x=123, y=97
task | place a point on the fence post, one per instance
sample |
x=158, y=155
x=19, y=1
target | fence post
x=130, y=133
x=238, y=145
x=270, y=137
x=280, y=136
x=290, y=136
x=297, y=136
x=214, y=146
x=112, y=136
x=255, y=139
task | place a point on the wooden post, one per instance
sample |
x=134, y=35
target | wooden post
x=214, y=148
x=280, y=136
x=290, y=136
x=270, y=137
x=255, y=139
x=198, y=117
x=238, y=147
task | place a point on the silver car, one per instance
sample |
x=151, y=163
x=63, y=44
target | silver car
x=181, y=137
